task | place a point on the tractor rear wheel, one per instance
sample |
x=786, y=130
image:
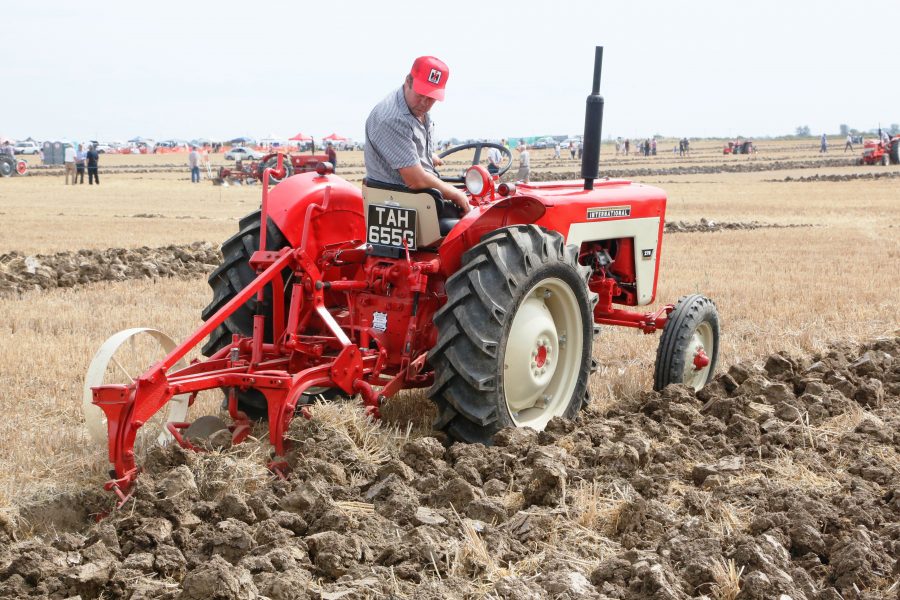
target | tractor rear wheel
x=226, y=281
x=7, y=166
x=271, y=163
x=895, y=152
x=515, y=337
x=689, y=345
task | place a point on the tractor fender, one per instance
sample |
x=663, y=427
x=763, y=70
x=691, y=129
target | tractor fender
x=337, y=220
x=516, y=210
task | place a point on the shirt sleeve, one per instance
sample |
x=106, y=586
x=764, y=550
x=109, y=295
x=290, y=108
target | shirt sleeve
x=395, y=140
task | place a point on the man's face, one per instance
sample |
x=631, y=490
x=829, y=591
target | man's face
x=417, y=103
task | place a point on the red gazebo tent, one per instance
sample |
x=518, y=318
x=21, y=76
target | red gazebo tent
x=335, y=138
x=300, y=137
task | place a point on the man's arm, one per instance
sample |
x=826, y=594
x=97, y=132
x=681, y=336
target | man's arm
x=417, y=178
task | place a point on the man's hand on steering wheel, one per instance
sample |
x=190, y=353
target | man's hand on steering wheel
x=504, y=151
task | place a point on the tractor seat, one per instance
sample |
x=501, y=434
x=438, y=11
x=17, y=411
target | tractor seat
x=447, y=212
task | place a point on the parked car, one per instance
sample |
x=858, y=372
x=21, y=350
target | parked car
x=243, y=154
x=27, y=147
x=543, y=143
x=102, y=148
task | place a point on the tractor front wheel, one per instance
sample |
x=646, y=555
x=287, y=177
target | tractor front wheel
x=515, y=337
x=689, y=345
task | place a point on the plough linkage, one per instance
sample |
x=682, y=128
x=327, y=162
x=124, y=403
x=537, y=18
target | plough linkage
x=282, y=370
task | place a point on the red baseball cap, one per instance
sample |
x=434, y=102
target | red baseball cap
x=429, y=77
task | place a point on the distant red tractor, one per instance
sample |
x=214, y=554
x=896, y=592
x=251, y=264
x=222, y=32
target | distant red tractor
x=738, y=147
x=10, y=166
x=296, y=163
x=881, y=151
x=330, y=289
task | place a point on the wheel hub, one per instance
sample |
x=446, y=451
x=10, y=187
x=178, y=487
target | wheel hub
x=540, y=367
x=697, y=362
x=531, y=355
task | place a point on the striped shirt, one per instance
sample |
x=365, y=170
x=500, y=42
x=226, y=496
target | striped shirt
x=395, y=139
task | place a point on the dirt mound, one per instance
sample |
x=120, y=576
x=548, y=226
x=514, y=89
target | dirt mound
x=706, y=226
x=850, y=177
x=773, y=482
x=20, y=273
x=744, y=166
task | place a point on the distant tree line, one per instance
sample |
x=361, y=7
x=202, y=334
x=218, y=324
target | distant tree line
x=892, y=129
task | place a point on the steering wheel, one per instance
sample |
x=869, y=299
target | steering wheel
x=504, y=152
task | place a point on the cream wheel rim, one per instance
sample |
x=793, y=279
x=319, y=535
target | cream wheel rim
x=542, y=357
x=697, y=360
x=110, y=366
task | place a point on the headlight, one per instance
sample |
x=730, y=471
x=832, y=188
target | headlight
x=475, y=183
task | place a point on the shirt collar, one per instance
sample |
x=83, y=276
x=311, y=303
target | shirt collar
x=401, y=100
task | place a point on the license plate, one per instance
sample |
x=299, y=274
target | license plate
x=391, y=226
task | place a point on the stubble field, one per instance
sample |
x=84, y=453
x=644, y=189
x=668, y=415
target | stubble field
x=830, y=282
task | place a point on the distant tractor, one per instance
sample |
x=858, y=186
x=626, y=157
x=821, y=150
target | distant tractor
x=738, y=147
x=10, y=166
x=883, y=151
x=295, y=163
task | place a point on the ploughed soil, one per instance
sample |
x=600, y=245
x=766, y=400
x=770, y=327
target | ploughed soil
x=21, y=272
x=775, y=481
x=738, y=164
x=848, y=177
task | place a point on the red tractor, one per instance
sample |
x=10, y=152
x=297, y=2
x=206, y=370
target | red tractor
x=883, y=151
x=10, y=166
x=329, y=288
x=296, y=163
x=738, y=147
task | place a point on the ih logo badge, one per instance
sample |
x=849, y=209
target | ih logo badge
x=435, y=77
x=648, y=253
x=608, y=212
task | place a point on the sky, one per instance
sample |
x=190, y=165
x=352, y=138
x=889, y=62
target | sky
x=112, y=70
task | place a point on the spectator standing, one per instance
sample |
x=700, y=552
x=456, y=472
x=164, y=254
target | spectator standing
x=572, y=149
x=627, y=146
x=524, y=164
x=556, y=150
x=194, y=163
x=848, y=145
x=93, y=157
x=204, y=160
x=653, y=146
x=823, y=147
x=69, y=160
x=493, y=161
x=332, y=155
x=80, y=157
x=681, y=147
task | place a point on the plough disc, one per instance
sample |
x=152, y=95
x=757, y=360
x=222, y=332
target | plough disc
x=121, y=359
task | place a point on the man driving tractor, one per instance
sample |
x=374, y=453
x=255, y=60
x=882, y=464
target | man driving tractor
x=399, y=145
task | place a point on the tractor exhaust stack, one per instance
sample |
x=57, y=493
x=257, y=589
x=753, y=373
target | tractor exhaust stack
x=593, y=125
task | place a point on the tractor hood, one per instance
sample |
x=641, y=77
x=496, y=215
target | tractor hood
x=551, y=193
